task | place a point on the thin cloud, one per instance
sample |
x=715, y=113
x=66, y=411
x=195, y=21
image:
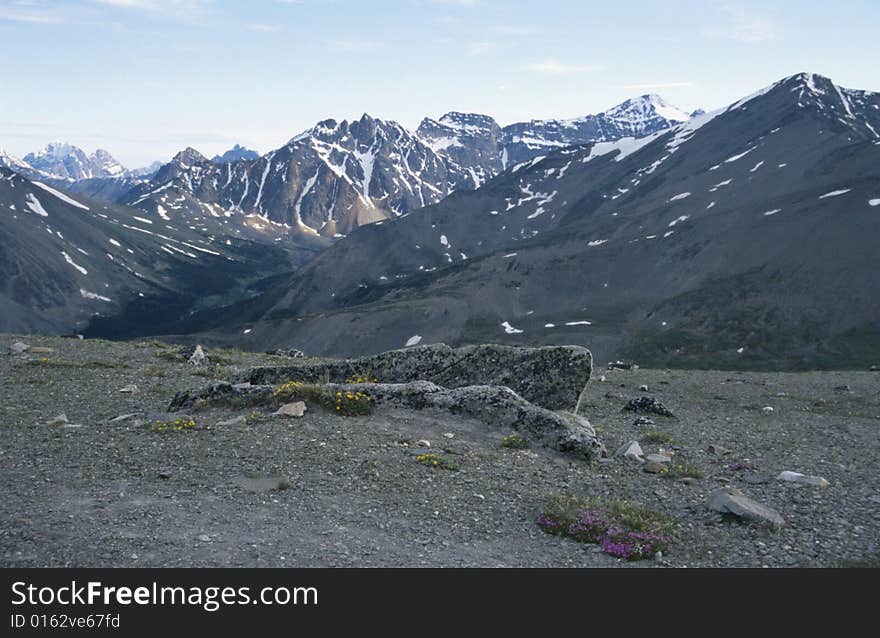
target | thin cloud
x=264, y=28
x=554, y=67
x=32, y=13
x=512, y=29
x=740, y=25
x=481, y=48
x=344, y=44
x=177, y=9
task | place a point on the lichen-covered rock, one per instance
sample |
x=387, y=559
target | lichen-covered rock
x=222, y=390
x=497, y=406
x=551, y=376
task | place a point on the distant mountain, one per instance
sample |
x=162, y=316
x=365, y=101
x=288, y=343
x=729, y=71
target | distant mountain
x=637, y=117
x=144, y=171
x=743, y=237
x=20, y=166
x=234, y=154
x=65, y=161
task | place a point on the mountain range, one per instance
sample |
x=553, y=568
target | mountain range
x=337, y=176
x=739, y=238
x=743, y=237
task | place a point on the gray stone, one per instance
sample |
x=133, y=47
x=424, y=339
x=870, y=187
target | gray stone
x=295, y=409
x=423, y=443
x=631, y=450
x=662, y=459
x=61, y=419
x=123, y=417
x=729, y=500
x=652, y=467
x=643, y=421
x=129, y=389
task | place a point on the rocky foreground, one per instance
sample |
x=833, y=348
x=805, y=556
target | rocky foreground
x=255, y=466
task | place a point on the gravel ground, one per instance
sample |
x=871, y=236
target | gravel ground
x=117, y=494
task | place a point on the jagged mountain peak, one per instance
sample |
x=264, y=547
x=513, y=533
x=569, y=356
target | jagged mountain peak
x=458, y=119
x=63, y=160
x=234, y=154
x=189, y=155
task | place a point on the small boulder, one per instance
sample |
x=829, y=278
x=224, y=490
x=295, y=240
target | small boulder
x=647, y=405
x=40, y=350
x=295, y=409
x=129, y=389
x=652, y=467
x=797, y=477
x=631, y=450
x=423, y=443
x=643, y=421
x=662, y=459
x=198, y=357
x=729, y=500
x=767, y=409
x=61, y=419
x=643, y=388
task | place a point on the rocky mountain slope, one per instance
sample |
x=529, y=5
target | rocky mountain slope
x=68, y=262
x=742, y=237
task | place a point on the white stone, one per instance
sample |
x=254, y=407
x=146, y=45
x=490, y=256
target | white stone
x=198, y=356
x=19, y=348
x=631, y=450
x=797, y=477
x=297, y=408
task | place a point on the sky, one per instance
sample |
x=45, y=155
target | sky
x=146, y=78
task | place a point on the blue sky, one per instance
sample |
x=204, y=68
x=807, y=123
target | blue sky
x=144, y=78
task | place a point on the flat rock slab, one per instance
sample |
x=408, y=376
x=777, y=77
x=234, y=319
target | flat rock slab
x=729, y=500
x=552, y=377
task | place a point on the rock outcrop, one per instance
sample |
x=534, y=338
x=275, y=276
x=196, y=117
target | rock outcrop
x=551, y=377
x=497, y=406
